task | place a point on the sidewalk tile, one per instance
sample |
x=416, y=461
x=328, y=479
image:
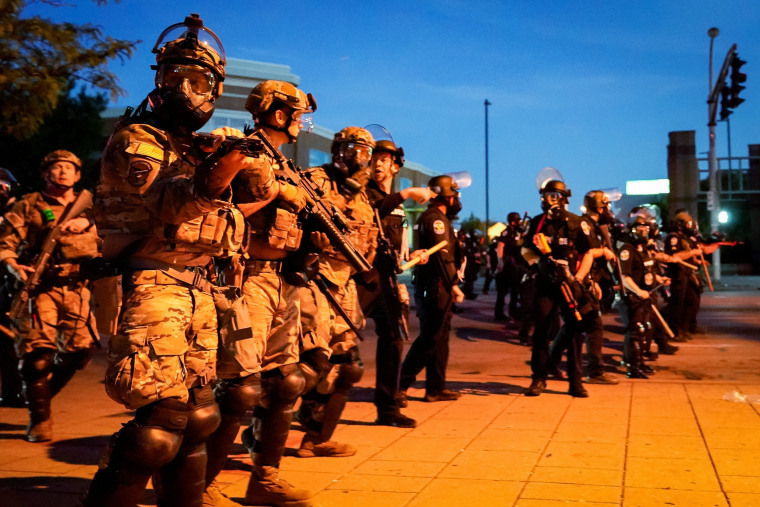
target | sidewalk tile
x=528, y=502
x=664, y=426
x=335, y=498
x=608, y=456
x=402, y=468
x=571, y=492
x=590, y=432
x=423, y=449
x=744, y=462
x=645, y=497
x=590, y=476
x=392, y=484
x=744, y=500
x=460, y=492
x=494, y=465
x=667, y=446
x=741, y=484
x=688, y=474
x=511, y=440
x=511, y=420
x=733, y=439
x=456, y=428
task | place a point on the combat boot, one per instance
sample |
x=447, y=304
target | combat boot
x=213, y=496
x=536, y=387
x=312, y=447
x=41, y=431
x=266, y=487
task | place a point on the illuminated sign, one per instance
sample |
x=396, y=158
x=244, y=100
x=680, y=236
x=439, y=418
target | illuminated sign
x=647, y=187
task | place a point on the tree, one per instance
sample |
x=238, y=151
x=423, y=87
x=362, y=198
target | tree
x=75, y=125
x=39, y=57
x=472, y=223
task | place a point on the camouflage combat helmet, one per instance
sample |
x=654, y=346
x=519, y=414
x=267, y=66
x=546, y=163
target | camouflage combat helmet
x=190, y=42
x=60, y=156
x=268, y=92
x=356, y=135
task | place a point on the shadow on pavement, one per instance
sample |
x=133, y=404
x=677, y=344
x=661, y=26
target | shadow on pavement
x=79, y=451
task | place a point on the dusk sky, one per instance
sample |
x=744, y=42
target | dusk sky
x=591, y=88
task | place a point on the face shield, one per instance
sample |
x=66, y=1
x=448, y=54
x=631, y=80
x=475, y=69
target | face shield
x=192, y=29
x=199, y=80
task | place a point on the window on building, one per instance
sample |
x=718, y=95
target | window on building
x=318, y=157
x=404, y=183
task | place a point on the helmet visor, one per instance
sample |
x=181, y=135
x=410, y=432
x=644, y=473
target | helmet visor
x=200, y=80
x=306, y=120
x=205, y=37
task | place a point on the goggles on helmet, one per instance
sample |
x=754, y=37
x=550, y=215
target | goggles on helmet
x=359, y=151
x=200, y=80
x=305, y=119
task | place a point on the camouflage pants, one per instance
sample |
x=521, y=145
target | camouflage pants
x=166, y=342
x=60, y=323
x=275, y=311
x=320, y=317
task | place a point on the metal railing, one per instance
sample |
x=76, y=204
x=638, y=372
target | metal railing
x=733, y=177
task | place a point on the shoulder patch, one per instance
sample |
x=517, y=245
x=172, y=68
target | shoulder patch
x=673, y=241
x=625, y=255
x=139, y=170
x=586, y=228
x=439, y=227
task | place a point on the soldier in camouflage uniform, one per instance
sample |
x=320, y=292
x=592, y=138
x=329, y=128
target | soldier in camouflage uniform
x=54, y=340
x=163, y=218
x=261, y=369
x=343, y=183
x=9, y=376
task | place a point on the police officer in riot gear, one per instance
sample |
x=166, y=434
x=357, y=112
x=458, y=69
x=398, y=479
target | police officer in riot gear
x=563, y=246
x=435, y=290
x=511, y=267
x=387, y=159
x=686, y=287
x=639, y=271
x=161, y=218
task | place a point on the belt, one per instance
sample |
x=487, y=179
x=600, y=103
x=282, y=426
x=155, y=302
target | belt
x=194, y=277
x=257, y=265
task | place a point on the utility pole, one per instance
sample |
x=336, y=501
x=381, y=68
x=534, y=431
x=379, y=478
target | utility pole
x=485, y=233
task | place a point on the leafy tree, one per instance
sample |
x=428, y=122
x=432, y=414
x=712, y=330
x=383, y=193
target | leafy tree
x=75, y=125
x=472, y=223
x=39, y=57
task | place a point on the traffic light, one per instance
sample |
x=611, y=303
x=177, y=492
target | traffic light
x=737, y=78
x=725, y=103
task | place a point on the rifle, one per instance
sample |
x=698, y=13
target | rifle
x=386, y=264
x=321, y=284
x=248, y=146
x=525, y=221
x=330, y=220
x=22, y=298
x=562, y=273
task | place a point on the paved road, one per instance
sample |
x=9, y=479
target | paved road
x=670, y=440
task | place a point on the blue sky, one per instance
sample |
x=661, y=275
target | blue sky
x=589, y=87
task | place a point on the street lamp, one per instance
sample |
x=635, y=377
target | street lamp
x=486, y=104
x=713, y=194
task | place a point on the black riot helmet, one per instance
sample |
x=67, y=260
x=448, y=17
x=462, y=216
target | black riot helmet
x=554, y=193
x=684, y=222
x=444, y=187
x=388, y=146
x=595, y=200
x=639, y=226
x=513, y=218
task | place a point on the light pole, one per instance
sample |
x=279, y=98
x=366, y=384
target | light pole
x=713, y=194
x=486, y=104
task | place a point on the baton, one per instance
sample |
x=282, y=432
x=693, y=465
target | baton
x=430, y=251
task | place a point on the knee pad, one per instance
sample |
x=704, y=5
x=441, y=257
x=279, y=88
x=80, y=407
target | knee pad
x=286, y=386
x=237, y=397
x=37, y=364
x=154, y=436
x=348, y=375
x=203, y=417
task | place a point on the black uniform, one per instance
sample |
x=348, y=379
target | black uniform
x=599, y=272
x=513, y=269
x=432, y=294
x=685, y=287
x=636, y=263
x=568, y=242
x=471, y=251
x=10, y=379
x=390, y=345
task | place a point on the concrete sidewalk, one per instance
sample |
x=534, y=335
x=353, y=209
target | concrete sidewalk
x=670, y=440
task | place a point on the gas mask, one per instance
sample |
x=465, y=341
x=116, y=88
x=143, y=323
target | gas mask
x=184, y=96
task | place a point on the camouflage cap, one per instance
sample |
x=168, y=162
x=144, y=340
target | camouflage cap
x=355, y=135
x=60, y=156
x=268, y=92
